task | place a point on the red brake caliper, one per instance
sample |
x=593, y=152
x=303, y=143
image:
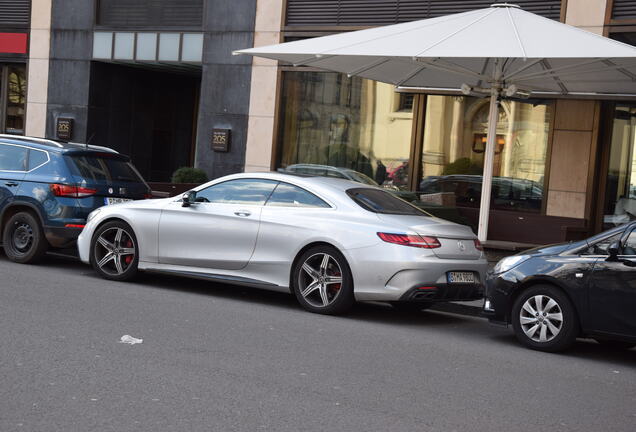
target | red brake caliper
x=128, y=258
x=334, y=288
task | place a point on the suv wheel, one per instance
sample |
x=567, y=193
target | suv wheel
x=322, y=281
x=114, y=252
x=23, y=239
x=544, y=319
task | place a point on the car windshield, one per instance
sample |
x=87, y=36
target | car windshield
x=379, y=201
x=109, y=169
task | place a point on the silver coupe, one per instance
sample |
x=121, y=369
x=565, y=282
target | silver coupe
x=328, y=241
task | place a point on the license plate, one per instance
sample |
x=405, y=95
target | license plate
x=111, y=201
x=461, y=277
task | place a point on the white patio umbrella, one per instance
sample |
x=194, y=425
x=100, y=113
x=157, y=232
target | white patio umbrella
x=498, y=51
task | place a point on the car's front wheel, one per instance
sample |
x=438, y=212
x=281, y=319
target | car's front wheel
x=23, y=239
x=114, y=252
x=543, y=318
x=322, y=281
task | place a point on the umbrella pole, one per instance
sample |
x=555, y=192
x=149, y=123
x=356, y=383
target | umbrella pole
x=484, y=207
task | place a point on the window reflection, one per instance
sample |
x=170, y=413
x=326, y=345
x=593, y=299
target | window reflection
x=620, y=196
x=16, y=98
x=345, y=127
x=455, y=136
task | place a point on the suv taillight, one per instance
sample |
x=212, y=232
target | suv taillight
x=418, y=241
x=61, y=190
x=478, y=245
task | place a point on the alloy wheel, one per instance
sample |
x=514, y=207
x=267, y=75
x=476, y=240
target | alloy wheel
x=114, y=251
x=541, y=318
x=320, y=280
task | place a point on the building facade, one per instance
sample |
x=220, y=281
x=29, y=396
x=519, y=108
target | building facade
x=150, y=78
x=156, y=79
x=563, y=168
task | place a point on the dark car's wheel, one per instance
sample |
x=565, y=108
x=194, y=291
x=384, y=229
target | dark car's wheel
x=23, y=239
x=322, y=281
x=114, y=252
x=411, y=307
x=544, y=319
x=616, y=345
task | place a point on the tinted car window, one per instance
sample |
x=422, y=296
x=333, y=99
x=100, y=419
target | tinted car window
x=107, y=169
x=13, y=158
x=37, y=158
x=379, y=201
x=286, y=195
x=243, y=191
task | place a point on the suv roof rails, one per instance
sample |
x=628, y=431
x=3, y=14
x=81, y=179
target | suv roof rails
x=31, y=139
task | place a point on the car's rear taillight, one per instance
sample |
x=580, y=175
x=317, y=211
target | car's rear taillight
x=413, y=240
x=148, y=196
x=61, y=190
x=478, y=245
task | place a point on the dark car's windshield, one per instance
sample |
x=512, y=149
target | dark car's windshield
x=379, y=201
x=108, y=169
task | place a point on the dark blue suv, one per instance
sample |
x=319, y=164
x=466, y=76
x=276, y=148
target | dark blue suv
x=48, y=188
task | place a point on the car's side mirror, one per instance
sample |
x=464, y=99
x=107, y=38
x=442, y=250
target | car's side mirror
x=188, y=198
x=613, y=250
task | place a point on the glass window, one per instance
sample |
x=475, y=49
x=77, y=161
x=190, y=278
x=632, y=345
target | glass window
x=355, y=124
x=169, y=46
x=16, y=99
x=286, y=195
x=13, y=158
x=455, y=133
x=146, y=46
x=243, y=191
x=379, y=201
x=192, y=47
x=37, y=158
x=105, y=169
x=124, y=46
x=620, y=189
x=102, y=45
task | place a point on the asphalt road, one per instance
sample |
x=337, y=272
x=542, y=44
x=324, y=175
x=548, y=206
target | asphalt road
x=222, y=358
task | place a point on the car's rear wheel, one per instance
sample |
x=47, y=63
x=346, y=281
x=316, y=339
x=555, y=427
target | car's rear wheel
x=23, y=239
x=411, y=307
x=322, y=281
x=544, y=319
x=114, y=252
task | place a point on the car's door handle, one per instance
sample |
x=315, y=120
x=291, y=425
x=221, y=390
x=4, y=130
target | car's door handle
x=243, y=213
x=11, y=184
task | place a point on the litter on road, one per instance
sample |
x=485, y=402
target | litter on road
x=128, y=339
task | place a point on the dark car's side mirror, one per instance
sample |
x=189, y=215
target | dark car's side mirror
x=613, y=250
x=188, y=198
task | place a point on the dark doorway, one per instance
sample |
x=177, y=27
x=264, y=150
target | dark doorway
x=146, y=114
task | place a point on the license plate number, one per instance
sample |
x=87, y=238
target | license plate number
x=461, y=277
x=111, y=201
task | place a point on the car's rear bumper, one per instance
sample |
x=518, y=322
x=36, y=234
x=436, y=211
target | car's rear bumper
x=396, y=273
x=63, y=237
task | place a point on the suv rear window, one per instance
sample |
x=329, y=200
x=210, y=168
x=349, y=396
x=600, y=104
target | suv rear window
x=107, y=169
x=379, y=201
